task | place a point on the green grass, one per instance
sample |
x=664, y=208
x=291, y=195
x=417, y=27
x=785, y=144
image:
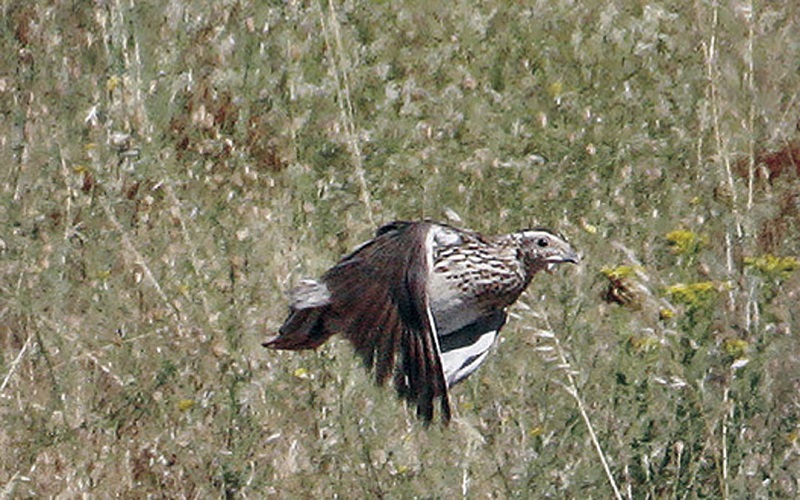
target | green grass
x=169, y=172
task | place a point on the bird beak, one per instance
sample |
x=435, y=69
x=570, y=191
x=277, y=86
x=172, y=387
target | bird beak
x=572, y=257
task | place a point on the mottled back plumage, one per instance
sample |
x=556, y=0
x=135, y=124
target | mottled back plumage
x=422, y=302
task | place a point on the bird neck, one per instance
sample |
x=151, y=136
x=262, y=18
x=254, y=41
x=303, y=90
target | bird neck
x=529, y=260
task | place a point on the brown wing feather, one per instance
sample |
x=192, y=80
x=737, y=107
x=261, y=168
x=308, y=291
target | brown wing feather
x=378, y=301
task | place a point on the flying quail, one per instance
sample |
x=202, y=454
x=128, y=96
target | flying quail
x=422, y=302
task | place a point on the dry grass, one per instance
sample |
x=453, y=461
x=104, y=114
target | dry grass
x=170, y=171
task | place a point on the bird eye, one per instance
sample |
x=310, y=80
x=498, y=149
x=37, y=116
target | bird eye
x=542, y=242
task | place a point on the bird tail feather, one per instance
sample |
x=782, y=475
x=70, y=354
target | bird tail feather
x=305, y=326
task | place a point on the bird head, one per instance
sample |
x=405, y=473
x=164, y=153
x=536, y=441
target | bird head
x=541, y=249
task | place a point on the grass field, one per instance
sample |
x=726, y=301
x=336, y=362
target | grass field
x=168, y=172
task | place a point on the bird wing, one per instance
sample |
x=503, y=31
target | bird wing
x=465, y=349
x=379, y=301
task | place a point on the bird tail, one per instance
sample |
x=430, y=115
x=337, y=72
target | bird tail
x=305, y=326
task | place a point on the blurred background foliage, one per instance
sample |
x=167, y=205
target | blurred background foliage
x=169, y=170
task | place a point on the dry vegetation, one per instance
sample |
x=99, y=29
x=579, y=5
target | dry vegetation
x=169, y=171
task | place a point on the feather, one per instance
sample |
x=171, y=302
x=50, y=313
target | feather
x=377, y=299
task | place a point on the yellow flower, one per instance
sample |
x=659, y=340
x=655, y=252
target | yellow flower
x=666, y=313
x=686, y=242
x=772, y=267
x=735, y=348
x=693, y=294
x=186, y=404
x=302, y=373
x=620, y=272
x=113, y=82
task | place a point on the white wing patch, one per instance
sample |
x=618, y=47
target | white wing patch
x=429, y=244
x=310, y=293
x=459, y=363
x=444, y=236
x=464, y=350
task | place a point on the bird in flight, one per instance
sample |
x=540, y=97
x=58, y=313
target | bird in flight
x=421, y=302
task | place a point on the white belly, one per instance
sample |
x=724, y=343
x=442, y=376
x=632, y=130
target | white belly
x=450, y=311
